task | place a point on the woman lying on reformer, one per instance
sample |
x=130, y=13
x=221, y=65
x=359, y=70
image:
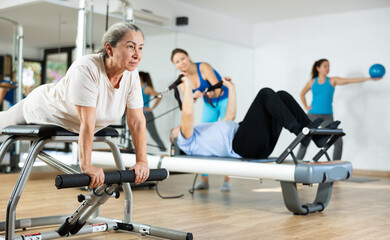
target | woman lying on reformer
x=255, y=137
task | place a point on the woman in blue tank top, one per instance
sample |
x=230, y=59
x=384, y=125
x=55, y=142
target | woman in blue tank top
x=147, y=91
x=204, y=76
x=322, y=88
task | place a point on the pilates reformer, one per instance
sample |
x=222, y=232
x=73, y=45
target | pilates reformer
x=288, y=172
x=86, y=218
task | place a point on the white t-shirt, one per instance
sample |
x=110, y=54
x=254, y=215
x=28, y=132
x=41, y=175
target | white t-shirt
x=85, y=84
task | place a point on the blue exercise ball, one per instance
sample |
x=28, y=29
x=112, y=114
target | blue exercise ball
x=377, y=71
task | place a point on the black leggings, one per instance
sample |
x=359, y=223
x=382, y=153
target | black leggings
x=258, y=133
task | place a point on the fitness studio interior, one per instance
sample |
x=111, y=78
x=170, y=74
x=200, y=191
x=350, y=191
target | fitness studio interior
x=283, y=107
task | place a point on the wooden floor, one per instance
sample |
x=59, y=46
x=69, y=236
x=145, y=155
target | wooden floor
x=252, y=210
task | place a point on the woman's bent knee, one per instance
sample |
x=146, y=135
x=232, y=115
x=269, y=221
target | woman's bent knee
x=265, y=93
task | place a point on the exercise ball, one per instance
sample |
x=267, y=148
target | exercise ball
x=377, y=71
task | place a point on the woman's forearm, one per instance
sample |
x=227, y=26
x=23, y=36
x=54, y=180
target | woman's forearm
x=156, y=103
x=358, y=80
x=188, y=100
x=138, y=133
x=343, y=81
x=303, y=99
x=231, y=109
x=187, y=113
x=85, y=143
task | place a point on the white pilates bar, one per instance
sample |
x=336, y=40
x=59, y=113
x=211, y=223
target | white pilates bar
x=283, y=172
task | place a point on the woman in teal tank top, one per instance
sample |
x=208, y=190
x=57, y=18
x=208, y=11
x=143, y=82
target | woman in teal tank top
x=322, y=88
x=204, y=76
x=147, y=91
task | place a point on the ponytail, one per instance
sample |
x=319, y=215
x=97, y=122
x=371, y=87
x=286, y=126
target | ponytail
x=146, y=78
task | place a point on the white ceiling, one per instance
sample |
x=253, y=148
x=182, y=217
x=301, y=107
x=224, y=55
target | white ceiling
x=49, y=25
x=255, y=11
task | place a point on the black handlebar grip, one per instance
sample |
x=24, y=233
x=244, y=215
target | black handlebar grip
x=177, y=82
x=217, y=85
x=154, y=175
x=80, y=180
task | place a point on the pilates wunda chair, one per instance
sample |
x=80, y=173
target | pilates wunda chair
x=88, y=212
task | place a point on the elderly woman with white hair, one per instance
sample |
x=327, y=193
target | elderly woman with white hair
x=94, y=93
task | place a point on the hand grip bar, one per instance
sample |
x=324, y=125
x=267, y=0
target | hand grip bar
x=176, y=83
x=323, y=131
x=119, y=176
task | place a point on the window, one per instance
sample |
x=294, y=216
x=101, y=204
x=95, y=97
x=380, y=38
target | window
x=56, y=63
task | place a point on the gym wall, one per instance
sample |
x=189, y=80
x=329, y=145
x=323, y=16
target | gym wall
x=214, y=25
x=352, y=42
